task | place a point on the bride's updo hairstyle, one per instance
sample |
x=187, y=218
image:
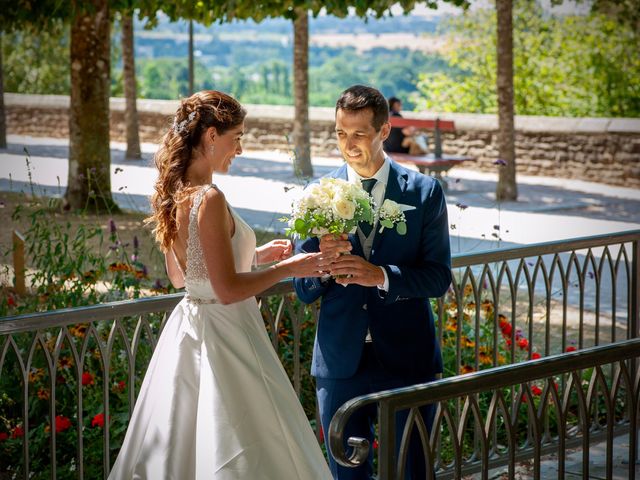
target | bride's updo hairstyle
x=208, y=108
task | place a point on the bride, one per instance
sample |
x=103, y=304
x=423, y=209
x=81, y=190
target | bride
x=215, y=401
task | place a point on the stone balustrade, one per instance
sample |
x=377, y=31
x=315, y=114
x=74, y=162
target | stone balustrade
x=595, y=149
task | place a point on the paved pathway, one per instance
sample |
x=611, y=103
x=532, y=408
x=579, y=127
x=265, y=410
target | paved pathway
x=261, y=185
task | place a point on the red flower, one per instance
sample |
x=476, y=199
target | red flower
x=570, y=348
x=11, y=301
x=119, y=387
x=98, y=420
x=535, y=356
x=62, y=423
x=17, y=432
x=3, y=436
x=505, y=326
x=536, y=390
x=87, y=378
x=523, y=343
x=375, y=444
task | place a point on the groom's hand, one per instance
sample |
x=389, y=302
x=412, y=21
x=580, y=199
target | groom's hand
x=350, y=269
x=332, y=246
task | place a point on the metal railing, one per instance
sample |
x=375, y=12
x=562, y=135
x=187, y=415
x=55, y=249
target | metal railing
x=589, y=402
x=513, y=305
x=573, y=392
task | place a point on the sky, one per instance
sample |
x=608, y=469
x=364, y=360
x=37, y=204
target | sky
x=445, y=8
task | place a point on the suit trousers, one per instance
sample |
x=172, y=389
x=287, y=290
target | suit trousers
x=369, y=378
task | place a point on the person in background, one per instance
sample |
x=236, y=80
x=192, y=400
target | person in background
x=405, y=139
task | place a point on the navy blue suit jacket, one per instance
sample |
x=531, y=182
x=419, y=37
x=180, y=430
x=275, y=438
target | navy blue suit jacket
x=418, y=265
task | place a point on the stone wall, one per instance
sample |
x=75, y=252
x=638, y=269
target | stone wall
x=594, y=149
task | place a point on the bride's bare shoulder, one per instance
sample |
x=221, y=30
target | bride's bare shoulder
x=213, y=209
x=213, y=200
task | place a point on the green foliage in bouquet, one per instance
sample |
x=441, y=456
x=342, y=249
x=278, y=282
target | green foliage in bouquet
x=333, y=206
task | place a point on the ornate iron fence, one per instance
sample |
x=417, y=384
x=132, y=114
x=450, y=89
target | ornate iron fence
x=582, y=397
x=69, y=378
x=528, y=303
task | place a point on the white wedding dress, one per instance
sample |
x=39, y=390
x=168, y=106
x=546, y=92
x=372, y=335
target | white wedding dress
x=215, y=402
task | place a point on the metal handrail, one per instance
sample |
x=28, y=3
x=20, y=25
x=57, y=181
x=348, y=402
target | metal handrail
x=68, y=316
x=543, y=248
x=475, y=382
x=487, y=380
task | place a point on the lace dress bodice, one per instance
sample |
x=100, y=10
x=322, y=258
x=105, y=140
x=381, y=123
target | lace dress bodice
x=243, y=243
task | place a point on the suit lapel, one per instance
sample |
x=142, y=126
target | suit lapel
x=396, y=187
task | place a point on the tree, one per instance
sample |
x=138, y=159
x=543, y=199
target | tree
x=130, y=88
x=89, y=181
x=191, y=69
x=572, y=65
x=27, y=56
x=3, y=116
x=507, y=188
x=301, y=129
x=36, y=59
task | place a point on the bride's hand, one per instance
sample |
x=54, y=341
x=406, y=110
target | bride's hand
x=274, y=251
x=306, y=265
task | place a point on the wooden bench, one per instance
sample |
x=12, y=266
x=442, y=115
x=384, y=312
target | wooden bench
x=433, y=163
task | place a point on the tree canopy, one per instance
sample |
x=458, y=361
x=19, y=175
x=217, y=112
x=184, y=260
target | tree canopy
x=563, y=65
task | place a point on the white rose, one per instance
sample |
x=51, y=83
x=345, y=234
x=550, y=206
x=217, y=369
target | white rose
x=390, y=209
x=356, y=191
x=320, y=231
x=310, y=201
x=344, y=208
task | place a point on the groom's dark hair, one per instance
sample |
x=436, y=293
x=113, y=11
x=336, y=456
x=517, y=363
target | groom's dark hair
x=359, y=97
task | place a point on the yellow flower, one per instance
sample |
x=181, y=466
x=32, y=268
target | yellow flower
x=485, y=358
x=65, y=362
x=78, y=331
x=452, y=324
x=487, y=307
x=51, y=344
x=35, y=375
x=43, y=393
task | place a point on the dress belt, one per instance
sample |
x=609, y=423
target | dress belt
x=200, y=301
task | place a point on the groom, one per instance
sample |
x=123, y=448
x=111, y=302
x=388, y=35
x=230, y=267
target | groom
x=376, y=328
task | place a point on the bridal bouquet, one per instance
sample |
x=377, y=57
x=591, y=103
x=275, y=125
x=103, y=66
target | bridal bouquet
x=331, y=206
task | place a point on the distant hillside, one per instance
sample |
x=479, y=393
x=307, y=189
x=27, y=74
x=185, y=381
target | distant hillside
x=320, y=25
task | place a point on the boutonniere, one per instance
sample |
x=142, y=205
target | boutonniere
x=391, y=214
